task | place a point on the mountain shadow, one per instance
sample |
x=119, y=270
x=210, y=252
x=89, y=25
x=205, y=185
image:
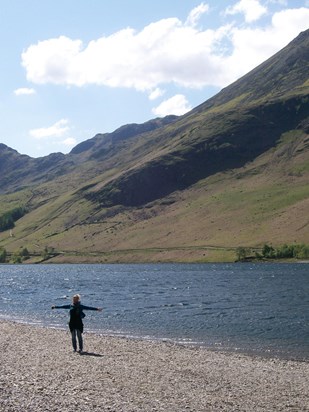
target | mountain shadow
x=233, y=128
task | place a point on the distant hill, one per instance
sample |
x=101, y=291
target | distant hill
x=232, y=172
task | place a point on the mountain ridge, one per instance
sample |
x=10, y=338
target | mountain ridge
x=130, y=189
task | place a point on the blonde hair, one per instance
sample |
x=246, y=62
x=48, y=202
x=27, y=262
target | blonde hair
x=76, y=297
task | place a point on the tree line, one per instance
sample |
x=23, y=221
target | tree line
x=294, y=251
x=19, y=256
x=7, y=219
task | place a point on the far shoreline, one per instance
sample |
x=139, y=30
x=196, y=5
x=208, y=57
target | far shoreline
x=119, y=262
x=126, y=258
x=293, y=253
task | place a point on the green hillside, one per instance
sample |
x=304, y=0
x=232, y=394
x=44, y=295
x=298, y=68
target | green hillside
x=233, y=172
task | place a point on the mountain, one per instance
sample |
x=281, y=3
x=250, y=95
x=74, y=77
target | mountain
x=20, y=170
x=232, y=172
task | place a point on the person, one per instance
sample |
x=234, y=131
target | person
x=76, y=320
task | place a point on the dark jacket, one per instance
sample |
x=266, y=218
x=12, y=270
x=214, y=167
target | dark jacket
x=76, y=315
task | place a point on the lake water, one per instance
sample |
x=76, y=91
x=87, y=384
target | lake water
x=259, y=308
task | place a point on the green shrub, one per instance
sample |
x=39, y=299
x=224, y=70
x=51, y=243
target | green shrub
x=3, y=255
x=242, y=253
x=47, y=252
x=20, y=255
x=268, y=251
x=297, y=251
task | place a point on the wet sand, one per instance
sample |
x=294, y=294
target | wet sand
x=40, y=372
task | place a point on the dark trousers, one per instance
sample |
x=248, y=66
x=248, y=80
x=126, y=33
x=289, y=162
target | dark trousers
x=78, y=333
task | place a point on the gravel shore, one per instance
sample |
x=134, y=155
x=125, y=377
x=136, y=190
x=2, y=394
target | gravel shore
x=40, y=372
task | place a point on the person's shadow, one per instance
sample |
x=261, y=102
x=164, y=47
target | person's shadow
x=97, y=355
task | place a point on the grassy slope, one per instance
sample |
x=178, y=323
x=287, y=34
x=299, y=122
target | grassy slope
x=266, y=201
x=263, y=201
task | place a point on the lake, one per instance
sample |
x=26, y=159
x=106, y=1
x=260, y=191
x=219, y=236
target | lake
x=250, y=308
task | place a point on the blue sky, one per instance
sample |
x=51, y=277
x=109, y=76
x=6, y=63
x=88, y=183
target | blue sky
x=73, y=68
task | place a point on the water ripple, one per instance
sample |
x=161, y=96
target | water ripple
x=261, y=308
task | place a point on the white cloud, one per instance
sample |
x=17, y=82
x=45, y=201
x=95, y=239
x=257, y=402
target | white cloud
x=70, y=141
x=286, y=22
x=252, y=10
x=176, y=105
x=59, y=129
x=196, y=13
x=157, y=92
x=50, y=61
x=24, y=91
x=252, y=46
x=166, y=51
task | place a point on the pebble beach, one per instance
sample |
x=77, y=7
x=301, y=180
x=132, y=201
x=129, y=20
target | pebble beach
x=40, y=372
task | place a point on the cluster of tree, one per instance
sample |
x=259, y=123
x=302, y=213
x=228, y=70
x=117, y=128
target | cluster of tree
x=47, y=252
x=296, y=251
x=20, y=255
x=8, y=219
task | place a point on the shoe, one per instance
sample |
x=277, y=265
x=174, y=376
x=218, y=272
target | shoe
x=80, y=352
